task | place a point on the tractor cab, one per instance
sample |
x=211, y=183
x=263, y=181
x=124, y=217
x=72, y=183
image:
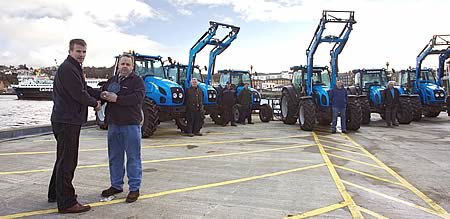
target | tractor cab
x=238, y=78
x=371, y=82
x=321, y=83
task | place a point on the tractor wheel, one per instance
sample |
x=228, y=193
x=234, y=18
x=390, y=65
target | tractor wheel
x=416, y=108
x=150, y=118
x=354, y=114
x=404, y=112
x=265, y=113
x=307, y=114
x=100, y=117
x=236, y=113
x=181, y=124
x=365, y=110
x=326, y=117
x=216, y=118
x=432, y=112
x=289, y=109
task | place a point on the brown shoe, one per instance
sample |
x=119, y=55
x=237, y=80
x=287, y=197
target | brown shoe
x=132, y=196
x=110, y=191
x=77, y=208
x=198, y=134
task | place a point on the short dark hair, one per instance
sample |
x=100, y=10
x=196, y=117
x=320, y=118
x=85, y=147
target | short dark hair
x=80, y=42
x=127, y=55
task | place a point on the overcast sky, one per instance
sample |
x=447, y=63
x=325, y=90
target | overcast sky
x=274, y=34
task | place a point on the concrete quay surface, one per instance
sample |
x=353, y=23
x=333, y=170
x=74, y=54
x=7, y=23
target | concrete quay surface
x=265, y=170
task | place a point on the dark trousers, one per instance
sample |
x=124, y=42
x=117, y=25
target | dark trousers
x=246, y=114
x=67, y=138
x=391, y=113
x=228, y=115
x=194, y=121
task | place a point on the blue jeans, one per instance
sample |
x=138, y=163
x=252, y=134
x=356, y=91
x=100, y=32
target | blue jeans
x=340, y=111
x=125, y=139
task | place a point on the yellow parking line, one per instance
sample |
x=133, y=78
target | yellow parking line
x=169, y=159
x=339, y=149
x=405, y=183
x=337, y=180
x=371, y=213
x=161, y=146
x=367, y=174
x=332, y=138
x=169, y=192
x=346, y=145
x=397, y=200
x=356, y=161
x=319, y=211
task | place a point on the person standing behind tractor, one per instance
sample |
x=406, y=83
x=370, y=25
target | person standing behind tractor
x=339, y=106
x=71, y=98
x=124, y=93
x=391, y=99
x=228, y=99
x=245, y=99
x=194, y=109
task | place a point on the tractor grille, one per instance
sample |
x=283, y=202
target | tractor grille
x=177, y=95
x=439, y=95
x=212, y=96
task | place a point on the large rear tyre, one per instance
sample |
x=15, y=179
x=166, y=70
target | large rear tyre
x=365, y=110
x=150, y=118
x=354, y=114
x=432, y=112
x=404, y=112
x=100, y=117
x=289, y=108
x=416, y=108
x=265, y=113
x=307, y=114
x=236, y=113
x=181, y=124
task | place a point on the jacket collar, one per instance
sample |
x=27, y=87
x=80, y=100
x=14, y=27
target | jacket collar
x=74, y=62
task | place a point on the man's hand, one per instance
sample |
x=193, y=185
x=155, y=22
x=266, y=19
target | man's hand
x=99, y=106
x=109, y=96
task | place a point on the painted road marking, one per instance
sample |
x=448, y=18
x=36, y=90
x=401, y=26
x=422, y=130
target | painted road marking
x=161, y=146
x=371, y=213
x=337, y=180
x=332, y=142
x=405, y=183
x=169, y=159
x=343, y=150
x=319, y=211
x=367, y=175
x=169, y=192
x=356, y=161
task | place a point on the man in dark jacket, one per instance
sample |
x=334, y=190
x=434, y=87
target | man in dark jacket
x=194, y=109
x=70, y=104
x=391, y=100
x=245, y=99
x=125, y=93
x=228, y=99
x=339, y=105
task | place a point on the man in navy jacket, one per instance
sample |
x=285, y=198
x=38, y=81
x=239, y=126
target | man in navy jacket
x=70, y=104
x=339, y=105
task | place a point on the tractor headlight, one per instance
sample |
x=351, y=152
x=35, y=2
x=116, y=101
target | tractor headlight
x=214, y=95
x=174, y=95
x=209, y=96
x=436, y=94
x=180, y=95
x=442, y=95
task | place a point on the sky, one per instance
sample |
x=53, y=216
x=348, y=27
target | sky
x=274, y=34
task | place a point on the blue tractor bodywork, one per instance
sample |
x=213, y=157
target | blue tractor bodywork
x=310, y=98
x=370, y=84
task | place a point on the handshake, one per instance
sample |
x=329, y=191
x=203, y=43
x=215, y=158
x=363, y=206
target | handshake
x=108, y=96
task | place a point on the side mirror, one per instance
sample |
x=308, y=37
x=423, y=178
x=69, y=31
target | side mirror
x=206, y=68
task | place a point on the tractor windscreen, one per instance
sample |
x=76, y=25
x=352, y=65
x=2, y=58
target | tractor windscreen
x=152, y=67
x=195, y=74
x=236, y=78
x=371, y=78
x=321, y=77
x=427, y=76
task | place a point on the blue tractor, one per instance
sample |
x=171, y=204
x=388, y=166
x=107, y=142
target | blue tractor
x=423, y=82
x=307, y=98
x=370, y=84
x=164, y=99
x=238, y=78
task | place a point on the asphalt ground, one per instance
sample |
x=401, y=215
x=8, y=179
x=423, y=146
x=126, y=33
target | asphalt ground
x=265, y=170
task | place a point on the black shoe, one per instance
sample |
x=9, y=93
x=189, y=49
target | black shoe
x=198, y=134
x=333, y=132
x=395, y=124
x=76, y=208
x=233, y=124
x=251, y=123
x=344, y=131
x=132, y=196
x=243, y=123
x=190, y=135
x=111, y=191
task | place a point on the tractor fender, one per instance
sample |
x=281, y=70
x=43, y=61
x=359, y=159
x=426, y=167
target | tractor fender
x=305, y=97
x=352, y=90
x=291, y=91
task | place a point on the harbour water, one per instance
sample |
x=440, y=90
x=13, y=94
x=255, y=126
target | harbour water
x=16, y=113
